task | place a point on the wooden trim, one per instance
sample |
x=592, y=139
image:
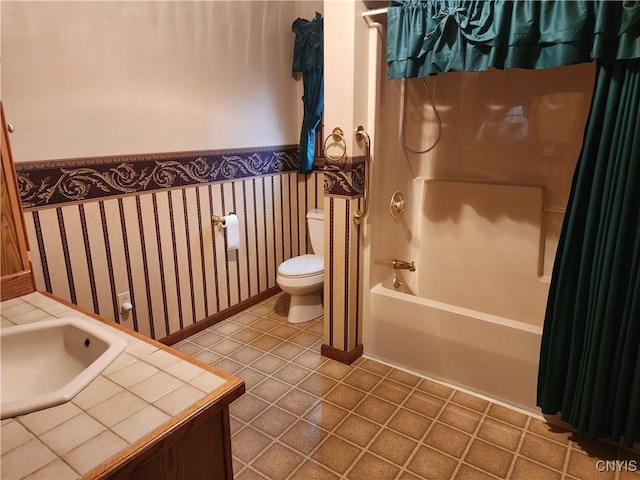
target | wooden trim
x=11, y=176
x=228, y=456
x=218, y=317
x=17, y=278
x=341, y=355
x=16, y=285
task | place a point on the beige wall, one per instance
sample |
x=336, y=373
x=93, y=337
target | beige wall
x=93, y=79
x=106, y=78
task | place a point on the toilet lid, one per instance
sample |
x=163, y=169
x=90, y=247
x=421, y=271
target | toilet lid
x=302, y=266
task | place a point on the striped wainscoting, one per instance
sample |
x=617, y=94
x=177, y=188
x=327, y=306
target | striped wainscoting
x=343, y=294
x=163, y=248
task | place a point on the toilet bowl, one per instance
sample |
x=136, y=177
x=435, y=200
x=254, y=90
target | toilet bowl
x=302, y=277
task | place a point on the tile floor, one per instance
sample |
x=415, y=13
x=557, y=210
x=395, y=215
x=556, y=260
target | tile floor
x=308, y=417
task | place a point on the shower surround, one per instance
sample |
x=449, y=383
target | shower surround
x=483, y=214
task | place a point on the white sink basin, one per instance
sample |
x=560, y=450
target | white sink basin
x=49, y=362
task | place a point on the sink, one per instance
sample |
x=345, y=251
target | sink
x=49, y=362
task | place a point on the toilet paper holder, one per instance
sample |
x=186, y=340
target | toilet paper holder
x=219, y=221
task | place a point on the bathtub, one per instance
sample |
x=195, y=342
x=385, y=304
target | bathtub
x=487, y=354
x=472, y=312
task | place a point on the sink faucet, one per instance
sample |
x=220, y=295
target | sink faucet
x=402, y=265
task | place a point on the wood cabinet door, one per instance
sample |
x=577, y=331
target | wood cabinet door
x=17, y=278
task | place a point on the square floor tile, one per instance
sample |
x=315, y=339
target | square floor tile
x=362, y=379
x=268, y=364
x=246, y=355
x=435, y=388
x=273, y=421
x=470, y=401
x=583, y=466
x=543, y=451
x=305, y=338
x=317, y=384
x=291, y=373
x=447, y=440
x=308, y=417
x=489, y=458
x=391, y=391
x=246, y=335
x=326, y=415
x=375, y=367
x=206, y=338
x=304, y=437
x=394, y=447
x=335, y=369
x=401, y=376
x=310, y=360
x=250, y=376
x=226, y=347
x=409, y=423
x=296, y=401
x=345, y=396
x=460, y=417
x=287, y=350
x=357, y=430
x=248, y=443
x=466, y=472
x=424, y=404
x=508, y=415
x=549, y=431
x=371, y=467
x=429, y=464
x=270, y=389
x=311, y=470
x=247, y=407
x=375, y=409
x=336, y=454
x=500, y=434
x=277, y=462
x=526, y=470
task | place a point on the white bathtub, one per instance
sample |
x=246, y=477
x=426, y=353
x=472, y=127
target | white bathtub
x=491, y=355
x=472, y=312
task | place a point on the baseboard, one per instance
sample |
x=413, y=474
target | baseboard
x=218, y=317
x=341, y=355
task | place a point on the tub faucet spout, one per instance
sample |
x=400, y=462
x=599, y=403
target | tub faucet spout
x=402, y=265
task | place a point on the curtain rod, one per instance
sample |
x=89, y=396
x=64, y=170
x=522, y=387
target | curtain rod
x=377, y=11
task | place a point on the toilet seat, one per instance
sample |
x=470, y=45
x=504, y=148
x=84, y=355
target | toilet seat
x=302, y=267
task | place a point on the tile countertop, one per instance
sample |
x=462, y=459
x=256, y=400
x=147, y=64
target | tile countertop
x=148, y=388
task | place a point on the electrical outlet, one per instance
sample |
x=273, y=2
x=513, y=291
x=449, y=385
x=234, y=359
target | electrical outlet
x=124, y=298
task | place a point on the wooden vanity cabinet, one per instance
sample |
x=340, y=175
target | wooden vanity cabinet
x=17, y=278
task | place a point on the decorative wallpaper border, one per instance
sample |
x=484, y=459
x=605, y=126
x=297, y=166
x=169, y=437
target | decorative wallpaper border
x=344, y=178
x=50, y=183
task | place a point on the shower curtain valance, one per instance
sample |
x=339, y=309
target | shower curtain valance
x=433, y=36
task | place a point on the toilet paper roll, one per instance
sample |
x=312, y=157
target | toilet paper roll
x=233, y=231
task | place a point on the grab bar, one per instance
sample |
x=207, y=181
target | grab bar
x=361, y=134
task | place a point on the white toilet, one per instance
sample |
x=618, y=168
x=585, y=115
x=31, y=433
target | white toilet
x=302, y=277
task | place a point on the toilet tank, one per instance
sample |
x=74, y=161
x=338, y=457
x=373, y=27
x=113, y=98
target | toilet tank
x=315, y=224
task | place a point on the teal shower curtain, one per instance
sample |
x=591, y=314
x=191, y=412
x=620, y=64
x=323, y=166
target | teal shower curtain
x=590, y=353
x=308, y=58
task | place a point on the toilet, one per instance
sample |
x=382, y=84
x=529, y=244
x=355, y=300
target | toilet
x=302, y=277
